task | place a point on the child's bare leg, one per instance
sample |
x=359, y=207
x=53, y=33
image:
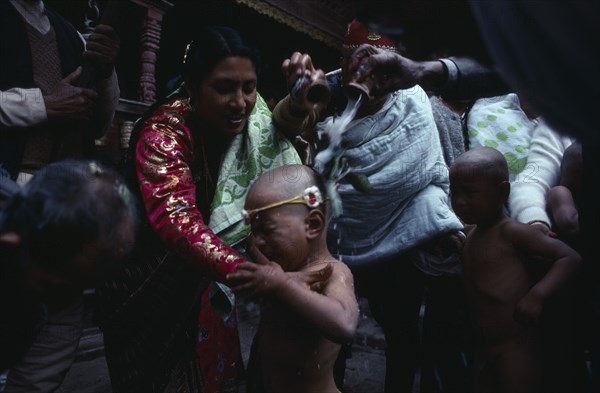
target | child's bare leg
x=518, y=367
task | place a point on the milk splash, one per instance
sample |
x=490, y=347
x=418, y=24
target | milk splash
x=329, y=162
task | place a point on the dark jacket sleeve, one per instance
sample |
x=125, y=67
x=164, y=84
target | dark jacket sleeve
x=469, y=79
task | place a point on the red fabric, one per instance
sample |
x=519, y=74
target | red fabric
x=357, y=35
x=218, y=349
x=164, y=152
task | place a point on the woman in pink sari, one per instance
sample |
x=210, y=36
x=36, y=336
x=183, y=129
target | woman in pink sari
x=167, y=319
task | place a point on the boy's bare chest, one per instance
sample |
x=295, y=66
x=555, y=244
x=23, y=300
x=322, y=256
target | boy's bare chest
x=288, y=341
x=279, y=321
x=493, y=268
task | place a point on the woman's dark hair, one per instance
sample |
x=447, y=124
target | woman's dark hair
x=211, y=45
x=66, y=206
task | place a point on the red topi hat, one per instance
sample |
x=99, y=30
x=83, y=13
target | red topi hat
x=357, y=35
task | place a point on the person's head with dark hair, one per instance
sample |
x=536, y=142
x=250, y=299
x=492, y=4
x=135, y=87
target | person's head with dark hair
x=479, y=186
x=220, y=73
x=70, y=221
x=286, y=208
x=209, y=46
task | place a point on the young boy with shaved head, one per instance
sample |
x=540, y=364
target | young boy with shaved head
x=301, y=329
x=506, y=303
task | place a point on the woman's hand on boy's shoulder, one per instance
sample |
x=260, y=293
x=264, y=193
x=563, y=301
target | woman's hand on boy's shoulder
x=256, y=279
x=259, y=277
x=315, y=280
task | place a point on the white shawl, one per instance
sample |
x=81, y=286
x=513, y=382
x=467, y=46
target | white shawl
x=398, y=149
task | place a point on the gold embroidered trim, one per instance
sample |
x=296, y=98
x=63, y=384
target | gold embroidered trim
x=372, y=36
x=385, y=47
x=293, y=22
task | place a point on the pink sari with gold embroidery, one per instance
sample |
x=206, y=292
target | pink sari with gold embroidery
x=161, y=332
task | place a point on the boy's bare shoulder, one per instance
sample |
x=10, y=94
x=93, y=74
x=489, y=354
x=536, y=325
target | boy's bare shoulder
x=504, y=227
x=340, y=272
x=512, y=228
x=339, y=267
x=336, y=263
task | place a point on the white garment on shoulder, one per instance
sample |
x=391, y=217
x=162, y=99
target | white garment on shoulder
x=399, y=150
x=20, y=108
x=527, y=201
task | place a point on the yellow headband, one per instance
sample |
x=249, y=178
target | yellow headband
x=310, y=197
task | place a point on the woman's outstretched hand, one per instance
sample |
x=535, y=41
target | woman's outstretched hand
x=256, y=278
x=264, y=276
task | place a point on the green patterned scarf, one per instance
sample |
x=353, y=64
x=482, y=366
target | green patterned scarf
x=251, y=154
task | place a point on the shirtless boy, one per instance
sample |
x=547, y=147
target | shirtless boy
x=506, y=306
x=301, y=329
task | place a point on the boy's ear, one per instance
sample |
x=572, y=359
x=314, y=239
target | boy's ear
x=504, y=189
x=315, y=223
x=11, y=238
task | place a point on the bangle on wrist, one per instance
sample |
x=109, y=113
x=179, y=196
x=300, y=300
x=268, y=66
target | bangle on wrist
x=296, y=110
x=538, y=222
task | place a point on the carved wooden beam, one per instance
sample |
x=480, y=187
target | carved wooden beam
x=150, y=44
x=323, y=20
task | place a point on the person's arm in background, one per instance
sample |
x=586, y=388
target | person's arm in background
x=562, y=201
x=453, y=78
x=562, y=208
x=527, y=200
x=22, y=108
x=467, y=79
x=101, y=49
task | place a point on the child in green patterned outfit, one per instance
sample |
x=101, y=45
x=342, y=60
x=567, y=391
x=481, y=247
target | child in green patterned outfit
x=502, y=123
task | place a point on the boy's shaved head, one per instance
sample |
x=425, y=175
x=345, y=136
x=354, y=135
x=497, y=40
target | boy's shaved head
x=484, y=161
x=286, y=212
x=279, y=184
